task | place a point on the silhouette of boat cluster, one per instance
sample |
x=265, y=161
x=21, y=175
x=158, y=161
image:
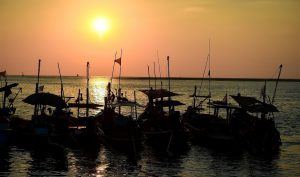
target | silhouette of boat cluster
x=247, y=125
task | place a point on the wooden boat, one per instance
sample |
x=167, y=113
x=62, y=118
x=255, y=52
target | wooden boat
x=254, y=125
x=7, y=111
x=162, y=129
x=117, y=128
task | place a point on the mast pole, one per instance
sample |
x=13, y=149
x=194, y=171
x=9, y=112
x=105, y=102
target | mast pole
x=61, y=83
x=120, y=75
x=169, y=83
x=154, y=76
x=209, y=78
x=280, y=68
x=112, y=73
x=78, y=103
x=87, y=88
x=149, y=77
x=37, y=85
x=159, y=70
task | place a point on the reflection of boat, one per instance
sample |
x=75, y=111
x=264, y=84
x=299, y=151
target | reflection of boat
x=7, y=112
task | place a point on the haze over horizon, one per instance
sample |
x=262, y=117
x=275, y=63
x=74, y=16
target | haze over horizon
x=249, y=39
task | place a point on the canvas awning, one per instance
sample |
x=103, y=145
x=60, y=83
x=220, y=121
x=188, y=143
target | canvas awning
x=160, y=93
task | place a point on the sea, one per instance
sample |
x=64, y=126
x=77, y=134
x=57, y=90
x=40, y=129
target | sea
x=196, y=160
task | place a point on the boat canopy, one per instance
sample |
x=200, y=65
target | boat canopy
x=84, y=105
x=126, y=103
x=253, y=105
x=159, y=93
x=166, y=103
x=45, y=99
x=8, y=87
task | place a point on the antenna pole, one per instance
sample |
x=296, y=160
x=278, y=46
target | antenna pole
x=280, y=68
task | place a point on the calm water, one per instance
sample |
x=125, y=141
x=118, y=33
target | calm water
x=196, y=161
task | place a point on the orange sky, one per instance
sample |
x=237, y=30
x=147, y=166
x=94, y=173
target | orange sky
x=248, y=38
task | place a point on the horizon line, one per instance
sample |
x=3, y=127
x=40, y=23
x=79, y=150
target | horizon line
x=173, y=78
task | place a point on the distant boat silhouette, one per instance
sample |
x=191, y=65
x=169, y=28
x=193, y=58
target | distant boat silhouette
x=77, y=75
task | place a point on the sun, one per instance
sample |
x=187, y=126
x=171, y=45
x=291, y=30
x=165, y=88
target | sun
x=101, y=25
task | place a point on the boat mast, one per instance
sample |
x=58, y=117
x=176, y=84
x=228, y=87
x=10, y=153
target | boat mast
x=112, y=73
x=87, y=88
x=169, y=83
x=61, y=83
x=119, y=88
x=4, y=96
x=154, y=76
x=209, y=93
x=273, y=98
x=149, y=77
x=37, y=85
x=159, y=70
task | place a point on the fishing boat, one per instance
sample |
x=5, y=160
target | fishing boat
x=83, y=127
x=162, y=129
x=208, y=120
x=118, y=121
x=7, y=110
x=254, y=121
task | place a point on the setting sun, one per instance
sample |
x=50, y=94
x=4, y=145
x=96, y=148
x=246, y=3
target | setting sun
x=101, y=25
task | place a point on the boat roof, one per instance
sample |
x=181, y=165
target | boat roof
x=84, y=105
x=251, y=104
x=126, y=103
x=159, y=93
x=9, y=86
x=166, y=103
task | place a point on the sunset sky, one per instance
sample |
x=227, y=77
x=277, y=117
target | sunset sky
x=248, y=38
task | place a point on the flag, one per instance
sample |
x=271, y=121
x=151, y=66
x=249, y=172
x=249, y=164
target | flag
x=118, y=61
x=3, y=73
x=41, y=88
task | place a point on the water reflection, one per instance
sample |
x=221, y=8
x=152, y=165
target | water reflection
x=197, y=161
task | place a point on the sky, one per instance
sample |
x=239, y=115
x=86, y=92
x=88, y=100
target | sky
x=249, y=39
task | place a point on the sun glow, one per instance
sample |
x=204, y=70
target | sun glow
x=101, y=25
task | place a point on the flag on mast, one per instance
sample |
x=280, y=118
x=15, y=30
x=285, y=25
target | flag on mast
x=118, y=60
